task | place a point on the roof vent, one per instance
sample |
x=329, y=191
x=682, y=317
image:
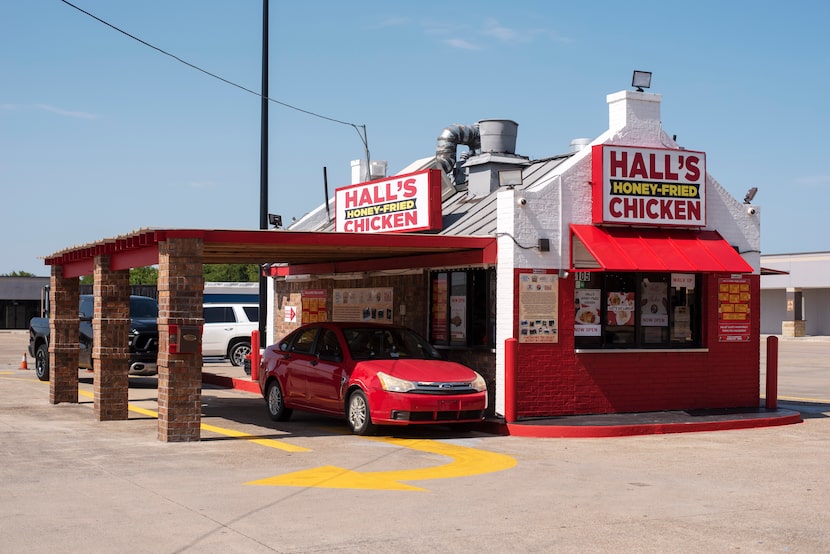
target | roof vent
x=578, y=144
x=498, y=135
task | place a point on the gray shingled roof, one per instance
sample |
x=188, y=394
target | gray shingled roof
x=462, y=215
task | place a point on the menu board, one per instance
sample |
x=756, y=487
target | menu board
x=538, y=307
x=733, y=310
x=314, y=306
x=365, y=304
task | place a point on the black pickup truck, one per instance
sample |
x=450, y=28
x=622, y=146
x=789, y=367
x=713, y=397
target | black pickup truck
x=144, y=337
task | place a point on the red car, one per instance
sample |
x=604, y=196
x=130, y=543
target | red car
x=371, y=374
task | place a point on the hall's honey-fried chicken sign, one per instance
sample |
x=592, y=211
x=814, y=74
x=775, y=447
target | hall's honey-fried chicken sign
x=410, y=202
x=648, y=186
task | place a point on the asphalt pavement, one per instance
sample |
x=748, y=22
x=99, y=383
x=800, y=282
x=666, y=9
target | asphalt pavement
x=70, y=483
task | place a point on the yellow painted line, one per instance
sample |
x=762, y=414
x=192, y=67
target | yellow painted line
x=811, y=400
x=271, y=443
x=465, y=462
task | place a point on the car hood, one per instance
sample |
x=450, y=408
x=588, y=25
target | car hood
x=419, y=370
x=142, y=324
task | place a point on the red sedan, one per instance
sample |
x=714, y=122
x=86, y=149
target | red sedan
x=371, y=374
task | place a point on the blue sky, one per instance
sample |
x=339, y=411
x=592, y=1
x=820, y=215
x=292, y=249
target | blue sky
x=101, y=135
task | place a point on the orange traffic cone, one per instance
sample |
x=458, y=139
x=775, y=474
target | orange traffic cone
x=23, y=364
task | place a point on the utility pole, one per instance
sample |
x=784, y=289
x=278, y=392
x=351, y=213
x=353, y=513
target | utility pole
x=263, y=170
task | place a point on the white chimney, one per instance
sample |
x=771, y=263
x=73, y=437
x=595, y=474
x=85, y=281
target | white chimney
x=362, y=172
x=632, y=109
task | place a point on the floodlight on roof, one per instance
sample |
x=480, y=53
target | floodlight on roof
x=641, y=80
x=510, y=178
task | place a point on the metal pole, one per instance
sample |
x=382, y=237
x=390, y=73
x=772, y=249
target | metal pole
x=263, y=167
x=511, y=359
x=772, y=373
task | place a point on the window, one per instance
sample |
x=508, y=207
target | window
x=304, y=340
x=637, y=310
x=329, y=348
x=463, y=308
x=219, y=314
x=252, y=312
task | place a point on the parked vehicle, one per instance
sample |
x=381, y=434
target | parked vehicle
x=144, y=337
x=371, y=374
x=227, y=331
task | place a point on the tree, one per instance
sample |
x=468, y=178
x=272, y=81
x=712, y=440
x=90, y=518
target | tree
x=18, y=274
x=147, y=275
x=245, y=273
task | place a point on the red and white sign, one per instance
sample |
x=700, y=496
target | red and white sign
x=290, y=314
x=648, y=186
x=410, y=202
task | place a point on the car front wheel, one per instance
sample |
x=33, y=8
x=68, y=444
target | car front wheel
x=42, y=362
x=276, y=403
x=360, y=419
x=238, y=352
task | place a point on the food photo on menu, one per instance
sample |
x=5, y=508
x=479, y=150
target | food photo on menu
x=587, y=304
x=620, y=308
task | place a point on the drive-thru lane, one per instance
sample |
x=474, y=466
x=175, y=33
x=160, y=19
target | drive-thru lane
x=71, y=482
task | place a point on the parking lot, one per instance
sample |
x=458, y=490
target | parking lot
x=71, y=483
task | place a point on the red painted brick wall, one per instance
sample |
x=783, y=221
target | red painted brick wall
x=552, y=379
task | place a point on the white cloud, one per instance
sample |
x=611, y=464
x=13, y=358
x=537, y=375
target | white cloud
x=814, y=180
x=66, y=113
x=461, y=44
x=494, y=29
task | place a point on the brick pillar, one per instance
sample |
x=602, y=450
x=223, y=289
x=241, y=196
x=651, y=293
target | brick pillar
x=110, y=342
x=181, y=289
x=64, y=330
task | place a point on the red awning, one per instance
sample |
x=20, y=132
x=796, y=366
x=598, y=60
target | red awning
x=626, y=249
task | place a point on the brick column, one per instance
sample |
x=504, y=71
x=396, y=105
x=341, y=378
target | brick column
x=64, y=331
x=181, y=289
x=110, y=342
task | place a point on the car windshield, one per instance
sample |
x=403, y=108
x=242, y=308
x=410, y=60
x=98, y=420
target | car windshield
x=372, y=343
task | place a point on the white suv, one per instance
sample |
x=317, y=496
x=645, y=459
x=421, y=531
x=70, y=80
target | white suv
x=227, y=331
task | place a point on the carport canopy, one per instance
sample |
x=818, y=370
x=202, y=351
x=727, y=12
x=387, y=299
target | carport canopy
x=180, y=255
x=302, y=251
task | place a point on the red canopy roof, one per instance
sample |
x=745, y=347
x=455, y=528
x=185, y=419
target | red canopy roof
x=628, y=249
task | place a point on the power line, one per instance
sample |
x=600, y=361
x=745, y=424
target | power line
x=356, y=127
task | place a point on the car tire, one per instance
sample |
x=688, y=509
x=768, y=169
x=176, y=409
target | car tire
x=42, y=362
x=358, y=414
x=237, y=353
x=275, y=401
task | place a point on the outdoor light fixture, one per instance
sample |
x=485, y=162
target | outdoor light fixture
x=275, y=220
x=641, y=80
x=750, y=194
x=510, y=178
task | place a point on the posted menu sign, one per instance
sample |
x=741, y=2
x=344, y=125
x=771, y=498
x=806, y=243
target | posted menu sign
x=538, y=307
x=733, y=310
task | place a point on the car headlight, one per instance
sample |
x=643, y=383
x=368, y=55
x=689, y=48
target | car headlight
x=393, y=384
x=479, y=384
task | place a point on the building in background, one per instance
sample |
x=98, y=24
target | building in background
x=21, y=299
x=795, y=294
